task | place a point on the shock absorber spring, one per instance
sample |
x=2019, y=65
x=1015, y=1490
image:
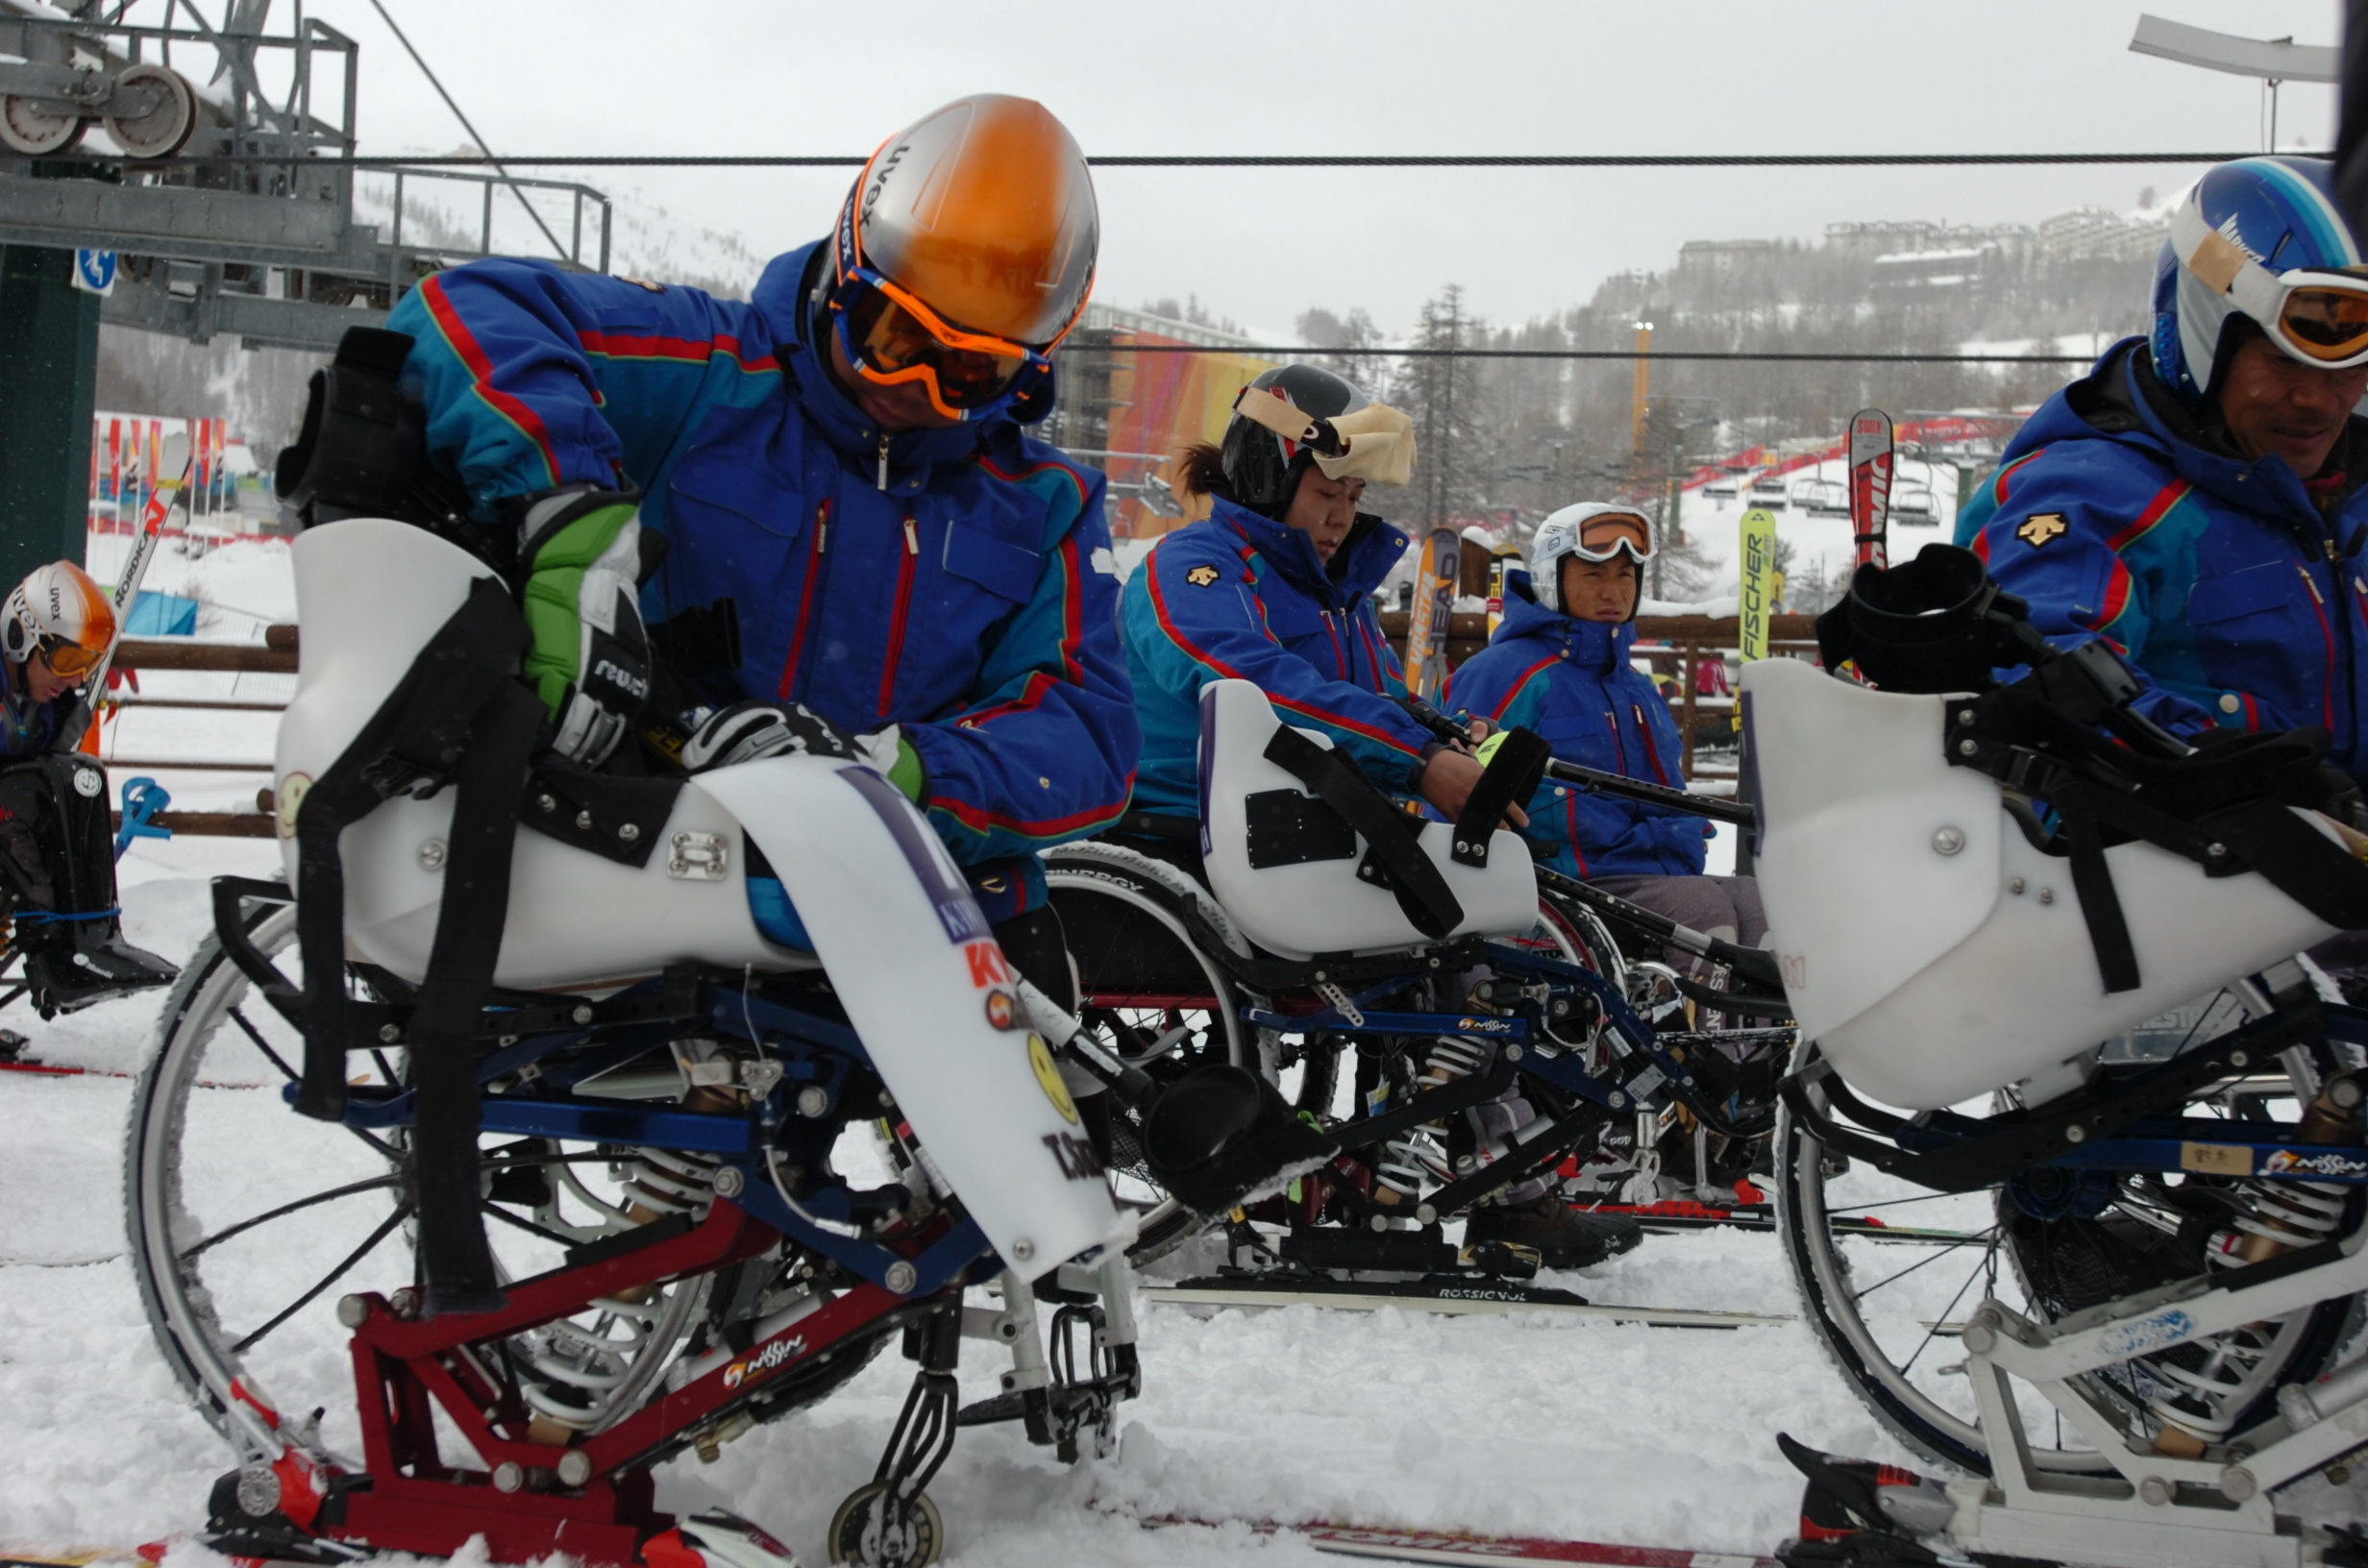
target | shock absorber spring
x=2210, y=1382
x=1406, y=1159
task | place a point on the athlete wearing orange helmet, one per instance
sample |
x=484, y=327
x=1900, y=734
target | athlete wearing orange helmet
x=864, y=550
x=57, y=859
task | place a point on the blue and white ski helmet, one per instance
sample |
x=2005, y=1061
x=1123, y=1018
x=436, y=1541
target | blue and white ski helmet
x=2279, y=212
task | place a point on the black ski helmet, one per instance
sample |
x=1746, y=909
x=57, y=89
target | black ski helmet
x=1261, y=468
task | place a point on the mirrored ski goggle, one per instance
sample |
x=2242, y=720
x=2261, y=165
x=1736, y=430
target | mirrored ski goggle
x=2320, y=321
x=70, y=661
x=1609, y=537
x=66, y=658
x=893, y=339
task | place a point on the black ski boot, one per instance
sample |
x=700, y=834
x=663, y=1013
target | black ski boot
x=93, y=964
x=59, y=860
x=1563, y=1236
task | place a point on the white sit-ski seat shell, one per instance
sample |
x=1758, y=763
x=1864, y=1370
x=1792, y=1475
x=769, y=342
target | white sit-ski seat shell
x=1927, y=947
x=1321, y=906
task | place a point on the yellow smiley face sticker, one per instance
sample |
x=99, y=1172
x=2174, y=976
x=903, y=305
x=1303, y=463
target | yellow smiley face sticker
x=287, y=800
x=1048, y=1078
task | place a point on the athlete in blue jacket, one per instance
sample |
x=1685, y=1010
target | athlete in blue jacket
x=859, y=537
x=1559, y=665
x=2197, y=501
x=1275, y=586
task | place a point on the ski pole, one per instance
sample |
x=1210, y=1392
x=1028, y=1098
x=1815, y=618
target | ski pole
x=1596, y=781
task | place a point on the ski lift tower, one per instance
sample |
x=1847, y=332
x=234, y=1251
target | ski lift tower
x=214, y=159
x=2273, y=62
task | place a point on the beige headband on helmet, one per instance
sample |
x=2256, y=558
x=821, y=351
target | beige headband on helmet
x=1375, y=443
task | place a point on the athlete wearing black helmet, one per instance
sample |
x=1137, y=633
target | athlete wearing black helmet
x=1275, y=586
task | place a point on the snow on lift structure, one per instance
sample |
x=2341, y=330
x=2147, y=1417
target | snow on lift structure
x=230, y=189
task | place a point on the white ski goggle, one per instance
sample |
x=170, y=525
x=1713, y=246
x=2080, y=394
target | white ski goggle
x=1607, y=536
x=2316, y=316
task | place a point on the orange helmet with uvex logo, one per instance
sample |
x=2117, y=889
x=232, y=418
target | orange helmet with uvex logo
x=59, y=612
x=965, y=253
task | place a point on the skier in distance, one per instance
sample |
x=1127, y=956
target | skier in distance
x=866, y=553
x=57, y=851
x=1559, y=665
x=2197, y=500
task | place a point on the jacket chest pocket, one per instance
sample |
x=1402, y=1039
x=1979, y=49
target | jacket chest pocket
x=2264, y=629
x=1579, y=728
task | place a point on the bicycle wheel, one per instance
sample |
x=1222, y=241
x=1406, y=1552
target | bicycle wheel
x=248, y=1222
x=1153, y=998
x=1888, y=1271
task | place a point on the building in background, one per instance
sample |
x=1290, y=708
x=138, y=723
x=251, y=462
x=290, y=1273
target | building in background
x=1130, y=414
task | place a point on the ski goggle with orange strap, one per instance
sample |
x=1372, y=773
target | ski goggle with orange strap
x=2317, y=317
x=892, y=338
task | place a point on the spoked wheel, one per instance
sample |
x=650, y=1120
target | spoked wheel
x=1888, y=1272
x=858, y=1535
x=248, y=1222
x=1153, y=998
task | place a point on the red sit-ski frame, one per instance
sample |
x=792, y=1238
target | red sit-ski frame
x=415, y=1502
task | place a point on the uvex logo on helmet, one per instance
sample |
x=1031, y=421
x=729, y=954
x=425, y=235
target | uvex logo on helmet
x=881, y=171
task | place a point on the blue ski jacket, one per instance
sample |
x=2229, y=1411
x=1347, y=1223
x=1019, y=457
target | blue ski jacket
x=27, y=728
x=1570, y=681
x=2238, y=599
x=1240, y=597
x=957, y=582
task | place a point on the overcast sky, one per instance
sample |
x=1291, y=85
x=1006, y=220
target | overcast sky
x=1471, y=75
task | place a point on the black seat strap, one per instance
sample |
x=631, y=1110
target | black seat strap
x=1511, y=778
x=459, y=716
x=1423, y=892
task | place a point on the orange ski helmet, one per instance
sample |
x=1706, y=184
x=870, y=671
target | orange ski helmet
x=965, y=254
x=59, y=612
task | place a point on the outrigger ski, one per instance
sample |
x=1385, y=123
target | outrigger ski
x=1419, y=1545
x=1454, y=1294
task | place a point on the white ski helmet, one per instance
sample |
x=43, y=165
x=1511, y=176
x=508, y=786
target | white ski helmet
x=1592, y=530
x=59, y=612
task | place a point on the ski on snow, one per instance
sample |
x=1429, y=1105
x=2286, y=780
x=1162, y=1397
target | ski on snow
x=1445, y=1294
x=1684, y=1215
x=1464, y=1546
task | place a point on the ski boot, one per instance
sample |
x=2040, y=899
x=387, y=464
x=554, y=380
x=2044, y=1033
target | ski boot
x=93, y=964
x=1561, y=1236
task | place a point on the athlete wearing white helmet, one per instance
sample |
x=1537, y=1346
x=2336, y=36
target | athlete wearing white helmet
x=1561, y=665
x=57, y=860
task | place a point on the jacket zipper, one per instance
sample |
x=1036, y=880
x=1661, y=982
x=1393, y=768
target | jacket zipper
x=1339, y=653
x=2318, y=602
x=883, y=459
x=895, y=625
x=802, y=633
x=1646, y=732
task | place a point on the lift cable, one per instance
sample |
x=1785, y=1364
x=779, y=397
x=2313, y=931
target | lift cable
x=1302, y=350
x=1309, y=160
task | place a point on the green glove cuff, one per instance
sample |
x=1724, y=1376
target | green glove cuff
x=908, y=775
x=553, y=600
